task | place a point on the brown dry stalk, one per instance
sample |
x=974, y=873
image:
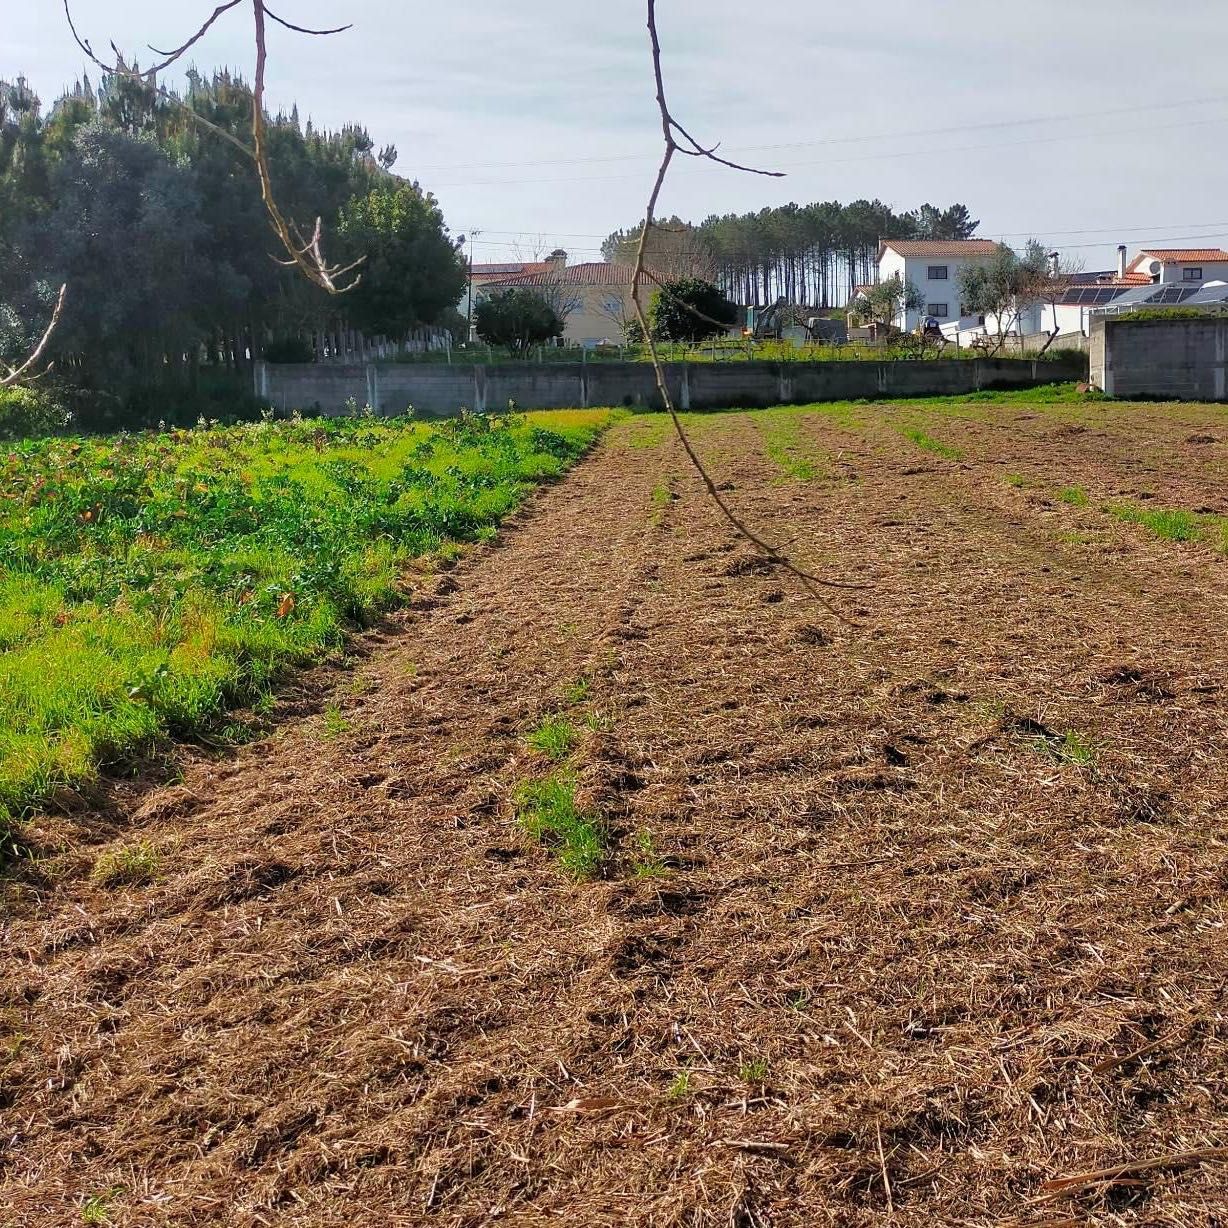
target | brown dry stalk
x=671, y=130
x=1058, y=1187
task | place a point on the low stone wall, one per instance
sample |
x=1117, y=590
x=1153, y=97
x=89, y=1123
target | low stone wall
x=436, y=390
x=1178, y=359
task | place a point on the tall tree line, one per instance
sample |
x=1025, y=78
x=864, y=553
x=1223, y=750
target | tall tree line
x=812, y=254
x=158, y=228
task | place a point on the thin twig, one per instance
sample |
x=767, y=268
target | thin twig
x=1058, y=1187
x=882, y=1164
x=281, y=21
x=669, y=126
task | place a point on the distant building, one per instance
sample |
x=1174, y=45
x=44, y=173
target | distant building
x=1188, y=265
x=933, y=266
x=483, y=274
x=593, y=299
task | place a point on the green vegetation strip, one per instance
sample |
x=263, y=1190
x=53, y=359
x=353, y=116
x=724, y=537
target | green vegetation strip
x=548, y=811
x=149, y=581
x=786, y=446
x=1170, y=523
x=927, y=443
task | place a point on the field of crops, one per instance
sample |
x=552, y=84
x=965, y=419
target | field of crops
x=620, y=882
x=149, y=581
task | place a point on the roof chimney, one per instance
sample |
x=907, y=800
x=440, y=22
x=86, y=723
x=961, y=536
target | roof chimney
x=556, y=260
x=1055, y=263
x=1121, y=260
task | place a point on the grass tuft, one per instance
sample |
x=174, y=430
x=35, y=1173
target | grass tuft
x=1076, y=496
x=927, y=443
x=680, y=1086
x=754, y=1071
x=556, y=736
x=648, y=863
x=577, y=692
x=547, y=810
x=1071, y=748
x=133, y=865
x=334, y=723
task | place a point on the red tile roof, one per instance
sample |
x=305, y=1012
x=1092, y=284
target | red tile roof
x=1177, y=255
x=596, y=274
x=509, y=269
x=938, y=247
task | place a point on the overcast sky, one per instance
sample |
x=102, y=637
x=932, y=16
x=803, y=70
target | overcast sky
x=1082, y=122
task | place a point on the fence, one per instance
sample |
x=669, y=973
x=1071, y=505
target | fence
x=439, y=390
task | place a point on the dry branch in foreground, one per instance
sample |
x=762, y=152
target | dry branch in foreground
x=678, y=140
x=305, y=253
x=26, y=370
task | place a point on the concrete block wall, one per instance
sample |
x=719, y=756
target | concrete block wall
x=437, y=390
x=1178, y=359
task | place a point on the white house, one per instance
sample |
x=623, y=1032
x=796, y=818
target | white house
x=933, y=266
x=1188, y=265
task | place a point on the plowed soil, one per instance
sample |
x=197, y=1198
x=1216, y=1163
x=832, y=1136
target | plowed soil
x=903, y=921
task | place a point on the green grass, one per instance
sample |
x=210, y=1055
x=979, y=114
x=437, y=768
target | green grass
x=334, y=723
x=1076, y=496
x=149, y=582
x=1016, y=480
x=1072, y=748
x=786, y=446
x=96, y=1208
x=556, y=736
x=927, y=443
x=680, y=1086
x=577, y=692
x=547, y=810
x=132, y=865
x=647, y=863
x=753, y=1071
x=1170, y=523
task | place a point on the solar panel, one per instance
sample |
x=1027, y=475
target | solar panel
x=1092, y=296
x=1208, y=295
x=1172, y=294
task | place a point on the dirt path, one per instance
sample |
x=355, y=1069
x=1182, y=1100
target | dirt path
x=888, y=934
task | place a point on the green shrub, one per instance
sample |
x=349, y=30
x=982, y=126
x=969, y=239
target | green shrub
x=26, y=413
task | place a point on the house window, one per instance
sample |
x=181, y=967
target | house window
x=936, y=309
x=1191, y=273
x=938, y=272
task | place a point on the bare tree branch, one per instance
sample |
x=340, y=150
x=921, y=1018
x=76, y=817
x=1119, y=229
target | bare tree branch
x=281, y=21
x=669, y=126
x=17, y=374
x=304, y=254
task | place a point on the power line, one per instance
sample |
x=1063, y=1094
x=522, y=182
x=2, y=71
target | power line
x=878, y=157
x=847, y=140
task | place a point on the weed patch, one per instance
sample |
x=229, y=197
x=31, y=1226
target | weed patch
x=927, y=443
x=1169, y=523
x=134, y=865
x=556, y=736
x=547, y=810
x=149, y=582
x=1076, y=496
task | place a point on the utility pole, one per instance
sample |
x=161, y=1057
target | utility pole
x=473, y=234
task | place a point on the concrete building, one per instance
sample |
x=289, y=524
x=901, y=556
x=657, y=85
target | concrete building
x=483, y=274
x=1186, y=265
x=933, y=266
x=593, y=299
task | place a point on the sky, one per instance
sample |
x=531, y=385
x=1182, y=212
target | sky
x=1083, y=123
